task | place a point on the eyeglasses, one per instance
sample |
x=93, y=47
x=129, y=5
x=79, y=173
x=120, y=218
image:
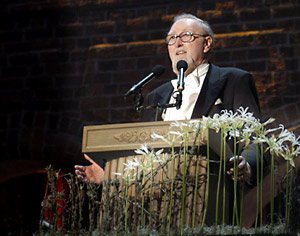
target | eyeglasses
x=185, y=37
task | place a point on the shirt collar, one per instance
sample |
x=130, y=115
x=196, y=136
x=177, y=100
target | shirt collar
x=194, y=77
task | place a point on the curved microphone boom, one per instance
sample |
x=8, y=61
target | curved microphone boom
x=181, y=67
x=156, y=71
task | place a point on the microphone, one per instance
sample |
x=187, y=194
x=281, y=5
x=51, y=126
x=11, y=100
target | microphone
x=156, y=71
x=181, y=67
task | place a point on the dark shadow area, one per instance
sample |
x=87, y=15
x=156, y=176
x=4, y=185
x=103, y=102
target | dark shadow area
x=20, y=204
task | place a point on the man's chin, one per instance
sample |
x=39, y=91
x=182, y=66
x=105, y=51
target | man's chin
x=180, y=57
x=189, y=61
x=176, y=60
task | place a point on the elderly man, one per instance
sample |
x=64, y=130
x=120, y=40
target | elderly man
x=208, y=88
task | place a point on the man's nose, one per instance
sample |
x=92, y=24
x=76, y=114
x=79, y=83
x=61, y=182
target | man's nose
x=178, y=42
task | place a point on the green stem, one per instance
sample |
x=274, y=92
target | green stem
x=261, y=183
x=219, y=179
x=151, y=194
x=290, y=196
x=243, y=191
x=143, y=199
x=126, y=203
x=165, y=195
x=224, y=180
x=196, y=185
x=286, y=193
x=234, y=182
x=257, y=184
x=272, y=190
x=172, y=190
x=207, y=180
x=184, y=186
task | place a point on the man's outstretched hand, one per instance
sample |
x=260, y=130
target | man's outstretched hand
x=92, y=173
x=240, y=161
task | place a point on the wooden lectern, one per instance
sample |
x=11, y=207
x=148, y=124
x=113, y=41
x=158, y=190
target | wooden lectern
x=116, y=144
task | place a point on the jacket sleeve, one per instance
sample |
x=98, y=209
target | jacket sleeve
x=246, y=96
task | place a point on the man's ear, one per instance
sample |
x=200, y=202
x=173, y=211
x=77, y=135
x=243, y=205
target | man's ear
x=207, y=44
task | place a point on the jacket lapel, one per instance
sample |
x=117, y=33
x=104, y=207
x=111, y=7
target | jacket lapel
x=162, y=97
x=210, y=92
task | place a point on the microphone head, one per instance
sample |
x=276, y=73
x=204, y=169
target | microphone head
x=182, y=65
x=158, y=70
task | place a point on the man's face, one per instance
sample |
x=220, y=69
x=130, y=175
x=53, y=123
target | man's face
x=192, y=52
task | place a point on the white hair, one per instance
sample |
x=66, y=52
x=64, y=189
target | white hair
x=203, y=24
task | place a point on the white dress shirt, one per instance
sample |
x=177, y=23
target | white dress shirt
x=192, y=87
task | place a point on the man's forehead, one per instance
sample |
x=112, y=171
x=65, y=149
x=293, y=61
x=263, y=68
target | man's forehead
x=185, y=24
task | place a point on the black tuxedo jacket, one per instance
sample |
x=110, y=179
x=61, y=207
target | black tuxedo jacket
x=233, y=87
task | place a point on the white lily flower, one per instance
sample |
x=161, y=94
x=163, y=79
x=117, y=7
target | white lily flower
x=143, y=150
x=234, y=133
x=207, y=122
x=158, y=157
x=246, y=116
x=143, y=163
x=259, y=140
x=170, y=139
x=295, y=141
x=177, y=133
x=159, y=152
x=177, y=124
x=116, y=173
x=158, y=136
x=130, y=170
x=130, y=165
x=186, y=127
x=269, y=121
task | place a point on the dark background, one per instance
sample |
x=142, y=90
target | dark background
x=65, y=64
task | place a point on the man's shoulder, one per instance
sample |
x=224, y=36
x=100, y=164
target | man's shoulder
x=159, y=95
x=230, y=70
x=167, y=86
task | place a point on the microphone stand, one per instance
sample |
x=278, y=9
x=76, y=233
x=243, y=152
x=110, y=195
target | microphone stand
x=138, y=99
x=157, y=107
x=178, y=99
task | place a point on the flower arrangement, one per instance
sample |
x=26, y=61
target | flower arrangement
x=167, y=192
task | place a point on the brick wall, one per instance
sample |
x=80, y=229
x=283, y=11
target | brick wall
x=67, y=63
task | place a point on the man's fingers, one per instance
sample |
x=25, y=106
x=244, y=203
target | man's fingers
x=238, y=158
x=77, y=167
x=88, y=158
x=82, y=176
x=240, y=164
x=80, y=168
x=239, y=178
x=79, y=176
x=80, y=173
x=240, y=175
